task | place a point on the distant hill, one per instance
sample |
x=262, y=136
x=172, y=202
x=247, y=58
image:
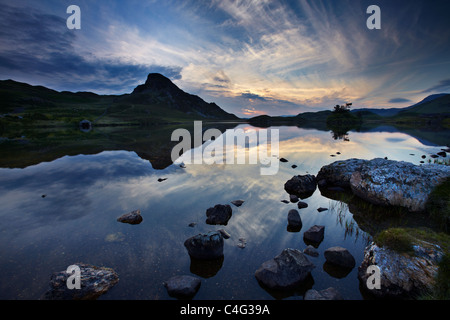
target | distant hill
x=440, y=105
x=158, y=100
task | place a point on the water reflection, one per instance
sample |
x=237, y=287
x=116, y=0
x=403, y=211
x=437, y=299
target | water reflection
x=84, y=195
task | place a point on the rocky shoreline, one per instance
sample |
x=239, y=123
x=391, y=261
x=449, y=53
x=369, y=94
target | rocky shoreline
x=378, y=181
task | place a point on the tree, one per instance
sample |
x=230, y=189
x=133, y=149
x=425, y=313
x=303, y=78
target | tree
x=343, y=108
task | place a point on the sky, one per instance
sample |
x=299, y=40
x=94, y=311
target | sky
x=251, y=57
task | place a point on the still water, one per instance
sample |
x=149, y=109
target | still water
x=55, y=214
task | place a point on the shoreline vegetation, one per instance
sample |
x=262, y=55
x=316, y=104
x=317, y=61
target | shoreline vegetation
x=38, y=124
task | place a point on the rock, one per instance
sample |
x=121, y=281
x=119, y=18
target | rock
x=242, y=243
x=115, y=237
x=133, y=217
x=302, y=205
x=95, y=281
x=293, y=198
x=224, y=234
x=314, y=234
x=424, y=156
x=294, y=166
x=182, y=286
x=434, y=156
x=162, y=179
x=339, y=173
x=238, y=203
x=322, y=209
x=192, y=224
x=301, y=186
x=283, y=160
x=402, y=275
x=393, y=183
x=219, y=214
x=442, y=154
x=311, y=251
x=85, y=125
x=284, y=201
x=285, y=271
x=294, y=219
x=340, y=256
x=205, y=246
x=327, y=294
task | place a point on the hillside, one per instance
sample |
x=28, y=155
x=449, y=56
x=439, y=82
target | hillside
x=426, y=106
x=158, y=100
x=439, y=105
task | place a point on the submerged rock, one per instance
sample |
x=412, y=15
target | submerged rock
x=133, y=217
x=311, y=251
x=182, y=286
x=94, y=282
x=219, y=214
x=285, y=271
x=242, y=243
x=205, y=246
x=401, y=275
x=326, y=294
x=301, y=186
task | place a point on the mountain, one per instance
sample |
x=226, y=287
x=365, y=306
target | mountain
x=158, y=100
x=433, y=105
x=159, y=89
x=427, y=107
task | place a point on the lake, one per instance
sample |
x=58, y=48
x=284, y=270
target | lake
x=63, y=211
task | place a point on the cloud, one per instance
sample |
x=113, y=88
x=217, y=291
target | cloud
x=442, y=86
x=252, y=96
x=399, y=100
x=39, y=48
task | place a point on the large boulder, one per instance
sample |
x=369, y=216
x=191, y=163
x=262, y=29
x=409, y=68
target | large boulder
x=385, y=182
x=94, y=282
x=402, y=275
x=301, y=186
x=285, y=271
x=393, y=183
x=219, y=214
x=205, y=246
x=338, y=173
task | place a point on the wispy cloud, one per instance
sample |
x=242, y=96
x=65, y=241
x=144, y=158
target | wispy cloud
x=249, y=56
x=442, y=86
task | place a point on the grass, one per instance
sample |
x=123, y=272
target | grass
x=438, y=205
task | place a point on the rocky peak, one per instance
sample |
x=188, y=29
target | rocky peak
x=156, y=82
